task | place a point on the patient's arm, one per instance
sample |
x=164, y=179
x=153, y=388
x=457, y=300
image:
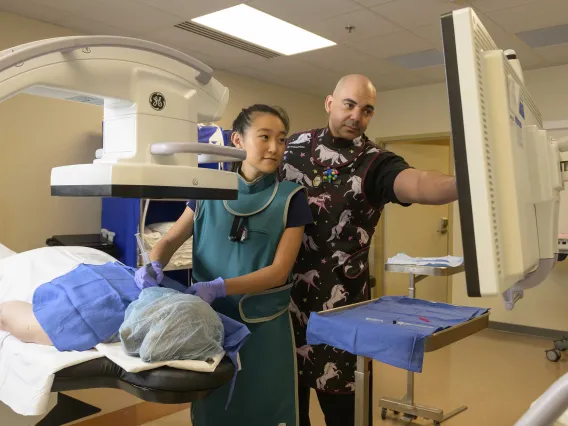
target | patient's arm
x=175, y=237
x=18, y=319
x=274, y=275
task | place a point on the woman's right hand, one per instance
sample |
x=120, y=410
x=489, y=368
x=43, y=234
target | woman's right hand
x=149, y=275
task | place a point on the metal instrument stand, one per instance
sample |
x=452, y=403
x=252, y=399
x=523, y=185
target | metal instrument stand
x=407, y=405
x=434, y=342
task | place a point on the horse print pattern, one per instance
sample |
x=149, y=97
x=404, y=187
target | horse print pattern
x=323, y=276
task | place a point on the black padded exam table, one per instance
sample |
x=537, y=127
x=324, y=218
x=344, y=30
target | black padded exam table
x=164, y=385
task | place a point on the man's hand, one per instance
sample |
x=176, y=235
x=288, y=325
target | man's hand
x=421, y=187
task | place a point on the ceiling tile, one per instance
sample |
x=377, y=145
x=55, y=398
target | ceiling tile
x=415, y=13
x=398, y=81
x=366, y=23
x=431, y=33
x=435, y=74
x=395, y=44
x=490, y=5
x=338, y=58
x=423, y=59
x=369, y=3
x=63, y=5
x=504, y=40
x=377, y=67
x=189, y=9
x=31, y=10
x=88, y=26
x=134, y=17
x=531, y=16
x=545, y=37
x=554, y=55
x=300, y=12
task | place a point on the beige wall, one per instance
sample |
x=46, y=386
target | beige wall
x=424, y=110
x=411, y=111
x=306, y=111
x=37, y=134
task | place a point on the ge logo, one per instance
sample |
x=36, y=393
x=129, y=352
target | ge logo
x=195, y=182
x=157, y=101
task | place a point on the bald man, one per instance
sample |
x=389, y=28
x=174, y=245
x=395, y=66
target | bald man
x=349, y=180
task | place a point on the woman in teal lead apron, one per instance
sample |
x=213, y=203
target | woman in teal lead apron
x=243, y=252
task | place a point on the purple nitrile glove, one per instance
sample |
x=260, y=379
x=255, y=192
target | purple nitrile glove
x=150, y=275
x=209, y=291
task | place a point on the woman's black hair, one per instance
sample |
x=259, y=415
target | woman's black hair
x=246, y=117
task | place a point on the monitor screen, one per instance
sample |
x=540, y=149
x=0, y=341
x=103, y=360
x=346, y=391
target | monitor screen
x=507, y=169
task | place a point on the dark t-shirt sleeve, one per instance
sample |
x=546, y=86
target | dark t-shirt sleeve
x=192, y=204
x=299, y=212
x=379, y=182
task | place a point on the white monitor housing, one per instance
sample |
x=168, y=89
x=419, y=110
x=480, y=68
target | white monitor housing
x=153, y=98
x=508, y=171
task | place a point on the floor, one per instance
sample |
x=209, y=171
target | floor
x=496, y=374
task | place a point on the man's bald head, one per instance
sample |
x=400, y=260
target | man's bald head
x=351, y=81
x=351, y=106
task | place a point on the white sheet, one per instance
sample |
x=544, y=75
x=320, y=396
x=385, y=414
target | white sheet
x=27, y=370
x=5, y=251
x=131, y=364
x=404, y=259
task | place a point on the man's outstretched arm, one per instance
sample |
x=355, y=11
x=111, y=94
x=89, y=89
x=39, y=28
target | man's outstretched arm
x=425, y=187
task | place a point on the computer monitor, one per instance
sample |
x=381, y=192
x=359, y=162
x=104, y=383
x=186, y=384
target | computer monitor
x=507, y=169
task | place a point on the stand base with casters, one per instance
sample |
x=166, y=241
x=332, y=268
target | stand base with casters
x=413, y=411
x=555, y=354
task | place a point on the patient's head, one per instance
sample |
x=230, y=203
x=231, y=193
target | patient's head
x=164, y=325
x=261, y=131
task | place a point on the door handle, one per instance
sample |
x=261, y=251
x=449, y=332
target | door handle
x=443, y=227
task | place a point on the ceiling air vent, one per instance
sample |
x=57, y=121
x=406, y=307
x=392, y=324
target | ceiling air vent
x=225, y=39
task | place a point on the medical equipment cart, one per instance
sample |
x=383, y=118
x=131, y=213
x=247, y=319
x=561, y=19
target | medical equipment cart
x=434, y=342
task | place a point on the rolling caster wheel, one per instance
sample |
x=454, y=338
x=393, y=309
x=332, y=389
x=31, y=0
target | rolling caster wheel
x=553, y=355
x=384, y=414
x=436, y=423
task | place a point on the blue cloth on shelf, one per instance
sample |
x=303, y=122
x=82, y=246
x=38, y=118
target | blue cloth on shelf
x=368, y=330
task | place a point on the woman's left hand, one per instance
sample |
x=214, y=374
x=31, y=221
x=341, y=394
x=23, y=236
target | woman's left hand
x=209, y=291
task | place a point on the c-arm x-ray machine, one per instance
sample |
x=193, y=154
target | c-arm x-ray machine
x=153, y=97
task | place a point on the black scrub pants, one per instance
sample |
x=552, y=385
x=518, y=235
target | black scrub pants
x=338, y=409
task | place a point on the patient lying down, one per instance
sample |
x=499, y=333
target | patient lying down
x=18, y=319
x=95, y=304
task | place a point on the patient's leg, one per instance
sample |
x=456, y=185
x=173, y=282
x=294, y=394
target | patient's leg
x=18, y=319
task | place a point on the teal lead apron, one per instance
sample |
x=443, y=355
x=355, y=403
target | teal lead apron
x=235, y=238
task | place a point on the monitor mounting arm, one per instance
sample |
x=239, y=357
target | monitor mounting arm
x=516, y=292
